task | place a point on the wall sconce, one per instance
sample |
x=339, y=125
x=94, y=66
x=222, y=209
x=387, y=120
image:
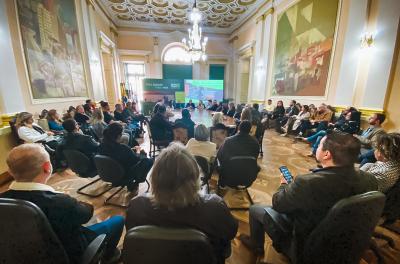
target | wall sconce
x=367, y=40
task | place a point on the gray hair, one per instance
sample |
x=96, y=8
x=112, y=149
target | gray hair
x=201, y=133
x=217, y=118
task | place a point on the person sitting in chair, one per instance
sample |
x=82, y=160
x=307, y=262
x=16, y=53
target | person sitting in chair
x=161, y=129
x=76, y=140
x=175, y=201
x=200, y=145
x=127, y=157
x=30, y=166
x=241, y=144
x=307, y=199
x=187, y=122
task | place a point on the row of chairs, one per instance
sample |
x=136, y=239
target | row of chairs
x=341, y=237
x=108, y=170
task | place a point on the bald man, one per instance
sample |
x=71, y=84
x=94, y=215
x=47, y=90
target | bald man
x=30, y=166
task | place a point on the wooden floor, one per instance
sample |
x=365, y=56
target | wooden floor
x=278, y=151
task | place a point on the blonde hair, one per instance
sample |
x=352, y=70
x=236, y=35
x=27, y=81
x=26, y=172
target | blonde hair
x=25, y=162
x=218, y=118
x=22, y=118
x=246, y=114
x=175, y=178
x=97, y=116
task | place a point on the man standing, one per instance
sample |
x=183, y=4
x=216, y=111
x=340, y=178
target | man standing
x=306, y=200
x=29, y=165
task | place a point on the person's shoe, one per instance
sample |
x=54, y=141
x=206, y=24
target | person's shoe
x=114, y=258
x=284, y=129
x=250, y=244
x=284, y=135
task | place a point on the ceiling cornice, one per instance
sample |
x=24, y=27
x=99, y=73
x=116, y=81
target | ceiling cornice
x=163, y=33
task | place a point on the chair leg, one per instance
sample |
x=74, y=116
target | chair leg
x=107, y=201
x=148, y=186
x=80, y=190
x=243, y=208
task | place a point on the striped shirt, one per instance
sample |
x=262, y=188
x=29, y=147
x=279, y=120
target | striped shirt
x=386, y=173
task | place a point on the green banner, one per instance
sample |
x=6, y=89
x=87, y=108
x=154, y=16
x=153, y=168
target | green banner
x=164, y=85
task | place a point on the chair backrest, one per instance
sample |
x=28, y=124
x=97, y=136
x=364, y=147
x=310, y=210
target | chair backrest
x=44, y=124
x=239, y=171
x=148, y=130
x=109, y=169
x=204, y=165
x=27, y=236
x=78, y=162
x=391, y=212
x=14, y=131
x=346, y=231
x=154, y=245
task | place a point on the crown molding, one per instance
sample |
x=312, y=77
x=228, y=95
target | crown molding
x=163, y=33
x=134, y=52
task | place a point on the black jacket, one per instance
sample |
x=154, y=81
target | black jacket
x=120, y=117
x=238, y=145
x=189, y=124
x=65, y=214
x=278, y=112
x=108, y=117
x=121, y=153
x=81, y=119
x=309, y=197
x=161, y=129
x=79, y=142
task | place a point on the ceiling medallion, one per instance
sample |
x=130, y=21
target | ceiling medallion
x=194, y=45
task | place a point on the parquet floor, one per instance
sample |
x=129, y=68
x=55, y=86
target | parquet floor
x=277, y=151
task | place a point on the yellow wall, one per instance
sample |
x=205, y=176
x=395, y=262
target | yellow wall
x=135, y=42
x=392, y=108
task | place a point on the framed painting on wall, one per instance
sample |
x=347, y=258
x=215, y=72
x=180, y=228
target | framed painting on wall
x=52, y=49
x=303, y=50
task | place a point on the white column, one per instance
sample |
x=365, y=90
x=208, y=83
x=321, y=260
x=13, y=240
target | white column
x=381, y=54
x=10, y=89
x=196, y=71
x=267, y=53
x=157, y=59
x=258, y=71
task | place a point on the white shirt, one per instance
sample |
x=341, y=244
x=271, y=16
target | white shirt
x=205, y=149
x=30, y=135
x=30, y=186
x=269, y=108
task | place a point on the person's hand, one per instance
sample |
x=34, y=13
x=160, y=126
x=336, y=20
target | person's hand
x=283, y=180
x=137, y=149
x=49, y=133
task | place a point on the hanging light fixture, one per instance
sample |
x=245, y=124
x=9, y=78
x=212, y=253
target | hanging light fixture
x=195, y=45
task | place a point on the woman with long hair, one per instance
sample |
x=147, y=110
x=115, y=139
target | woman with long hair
x=176, y=201
x=53, y=119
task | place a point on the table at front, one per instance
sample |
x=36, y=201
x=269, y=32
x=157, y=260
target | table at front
x=203, y=117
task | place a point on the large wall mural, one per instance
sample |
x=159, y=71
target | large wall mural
x=52, y=48
x=304, y=43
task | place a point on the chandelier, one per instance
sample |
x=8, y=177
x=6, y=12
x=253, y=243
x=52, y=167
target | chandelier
x=195, y=46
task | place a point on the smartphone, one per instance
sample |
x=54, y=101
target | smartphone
x=286, y=174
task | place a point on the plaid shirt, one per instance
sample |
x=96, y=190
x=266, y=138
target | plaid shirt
x=386, y=173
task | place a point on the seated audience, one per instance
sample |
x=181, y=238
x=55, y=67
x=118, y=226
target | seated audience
x=29, y=132
x=98, y=126
x=200, y=145
x=308, y=198
x=30, y=166
x=231, y=110
x=76, y=140
x=292, y=110
x=187, y=122
x=81, y=117
x=201, y=105
x=88, y=110
x=105, y=107
x=320, y=118
x=241, y=144
x=294, y=121
x=175, y=201
x=53, y=119
x=387, y=167
x=238, y=112
x=190, y=105
x=214, y=106
x=247, y=114
x=368, y=138
x=70, y=113
x=111, y=147
x=161, y=128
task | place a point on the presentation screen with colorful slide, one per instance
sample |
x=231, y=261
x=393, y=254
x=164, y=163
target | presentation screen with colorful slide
x=204, y=90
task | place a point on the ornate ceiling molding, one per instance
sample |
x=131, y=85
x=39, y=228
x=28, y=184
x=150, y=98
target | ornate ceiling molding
x=219, y=16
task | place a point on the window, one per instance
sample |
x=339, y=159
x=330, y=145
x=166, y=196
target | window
x=134, y=75
x=176, y=54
